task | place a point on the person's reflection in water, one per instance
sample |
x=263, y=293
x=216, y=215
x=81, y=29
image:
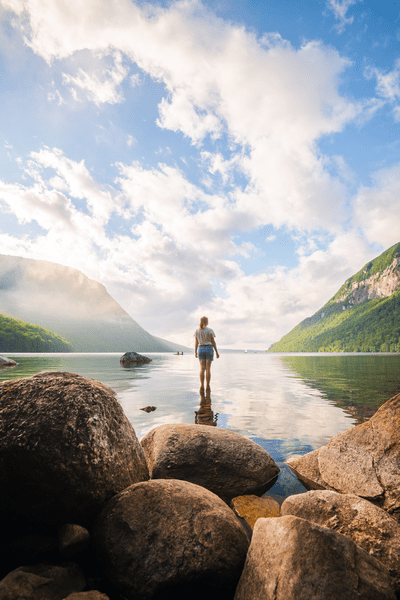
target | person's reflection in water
x=205, y=416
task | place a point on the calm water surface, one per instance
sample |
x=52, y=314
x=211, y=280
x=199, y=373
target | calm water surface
x=289, y=404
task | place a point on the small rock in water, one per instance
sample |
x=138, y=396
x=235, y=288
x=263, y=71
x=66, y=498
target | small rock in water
x=149, y=408
x=7, y=362
x=133, y=358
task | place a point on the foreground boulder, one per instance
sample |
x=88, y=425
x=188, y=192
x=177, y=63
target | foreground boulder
x=364, y=460
x=292, y=559
x=7, y=362
x=130, y=359
x=66, y=447
x=222, y=461
x=367, y=525
x=169, y=538
x=42, y=582
x=307, y=471
x=92, y=595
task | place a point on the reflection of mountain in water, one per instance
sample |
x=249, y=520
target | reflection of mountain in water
x=359, y=384
x=205, y=415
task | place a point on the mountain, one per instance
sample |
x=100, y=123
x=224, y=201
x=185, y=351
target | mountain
x=18, y=336
x=75, y=307
x=363, y=316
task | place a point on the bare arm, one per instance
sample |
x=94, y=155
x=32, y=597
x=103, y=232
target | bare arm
x=196, y=345
x=215, y=346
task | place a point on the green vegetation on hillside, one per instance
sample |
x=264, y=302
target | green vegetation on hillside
x=341, y=326
x=372, y=326
x=377, y=265
x=19, y=336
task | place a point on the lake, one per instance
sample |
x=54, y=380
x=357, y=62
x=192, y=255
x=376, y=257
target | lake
x=287, y=403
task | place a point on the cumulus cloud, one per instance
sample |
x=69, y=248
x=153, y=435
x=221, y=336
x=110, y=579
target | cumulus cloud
x=178, y=259
x=288, y=97
x=376, y=208
x=103, y=87
x=268, y=305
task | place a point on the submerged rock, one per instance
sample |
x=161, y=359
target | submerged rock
x=149, y=408
x=222, y=461
x=170, y=537
x=367, y=525
x=66, y=447
x=251, y=508
x=133, y=358
x=292, y=559
x=364, y=460
x=7, y=362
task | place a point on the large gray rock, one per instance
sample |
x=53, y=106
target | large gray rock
x=292, y=559
x=222, y=461
x=168, y=538
x=367, y=525
x=66, y=447
x=364, y=460
x=42, y=582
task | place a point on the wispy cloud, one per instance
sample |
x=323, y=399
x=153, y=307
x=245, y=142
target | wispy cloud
x=339, y=9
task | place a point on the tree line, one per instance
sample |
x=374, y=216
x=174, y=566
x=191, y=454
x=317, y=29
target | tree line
x=371, y=326
x=19, y=336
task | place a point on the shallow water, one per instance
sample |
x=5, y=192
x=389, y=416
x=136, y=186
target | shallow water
x=289, y=404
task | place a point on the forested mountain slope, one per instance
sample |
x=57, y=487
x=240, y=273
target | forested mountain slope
x=363, y=316
x=19, y=336
x=70, y=304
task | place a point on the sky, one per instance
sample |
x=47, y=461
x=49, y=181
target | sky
x=238, y=160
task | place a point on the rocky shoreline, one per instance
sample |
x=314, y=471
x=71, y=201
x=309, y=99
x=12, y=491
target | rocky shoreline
x=92, y=514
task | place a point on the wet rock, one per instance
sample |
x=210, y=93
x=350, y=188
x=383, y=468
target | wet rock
x=42, y=582
x=367, y=525
x=130, y=359
x=149, y=408
x=306, y=469
x=365, y=460
x=252, y=508
x=222, y=461
x=169, y=538
x=292, y=559
x=66, y=447
x=92, y=595
x=73, y=540
x=7, y=362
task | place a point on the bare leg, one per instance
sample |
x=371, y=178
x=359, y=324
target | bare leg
x=208, y=373
x=202, y=372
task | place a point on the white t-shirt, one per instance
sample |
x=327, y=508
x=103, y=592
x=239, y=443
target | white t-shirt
x=204, y=336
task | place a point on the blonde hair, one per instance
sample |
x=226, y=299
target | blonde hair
x=203, y=322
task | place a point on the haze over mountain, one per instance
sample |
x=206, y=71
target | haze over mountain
x=363, y=316
x=70, y=304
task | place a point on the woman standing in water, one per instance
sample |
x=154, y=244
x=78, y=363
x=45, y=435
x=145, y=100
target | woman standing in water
x=204, y=347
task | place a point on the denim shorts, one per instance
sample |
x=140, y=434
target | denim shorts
x=205, y=352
